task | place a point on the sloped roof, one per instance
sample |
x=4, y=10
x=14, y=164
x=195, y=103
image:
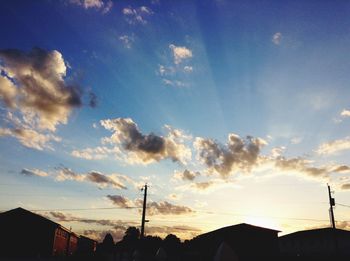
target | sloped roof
x=21, y=212
x=242, y=226
x=313, y=232
x=238, y=228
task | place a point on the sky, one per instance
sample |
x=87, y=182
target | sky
x=230, y=112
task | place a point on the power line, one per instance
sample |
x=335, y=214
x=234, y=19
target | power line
x=343, y=205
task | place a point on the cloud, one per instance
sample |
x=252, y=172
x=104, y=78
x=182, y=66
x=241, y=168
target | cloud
x=137, y=15
x=174, y=83
x=166, y=70
x=345, y=186
x=188, y=69
x=36, y=95
x=115, y=181
x=34, y=172
x=92, y=100
x=120, y=201
x=303, y=166
x=104, y=180
x=127, y=40
x=237, y=155
x=333, y=147
x=205, y=187
x=8, y=92
x=180, y=53
x=105, y=6
x=345, y=113
x=182, y=231
x=277, y=38
x=166, y=208
x=30, y=138
x=141, y=148
x=153, y=208
x=186, y=175
x=342, y=169
x=41, y=91
x=97, y=153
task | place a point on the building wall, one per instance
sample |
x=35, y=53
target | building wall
x=60, y=242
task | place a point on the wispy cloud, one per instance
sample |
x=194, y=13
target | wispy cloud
x=137, y=15
x=104, y=6
x=277, y=38
x=127, y=40
x=34, y=172
x=96, y=153
x=186, y=175
x=95, y=177
x=334, y=146
x=120, y=201
x=153, y=208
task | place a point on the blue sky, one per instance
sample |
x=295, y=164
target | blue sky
x=231, y=112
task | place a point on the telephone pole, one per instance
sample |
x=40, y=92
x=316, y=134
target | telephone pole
x=144, y=211
x=331, y=205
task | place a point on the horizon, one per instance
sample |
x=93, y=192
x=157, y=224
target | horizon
x=231, y=112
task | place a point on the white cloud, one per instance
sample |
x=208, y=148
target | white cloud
x=333, y=147
x=137, y=15
x=105, y=6
x=277, y=38
x=175, y=83
x=127, y=40
x=180, y=53
x=31, y=138
x=345, y=113
x=97, y=153
x=188, y=69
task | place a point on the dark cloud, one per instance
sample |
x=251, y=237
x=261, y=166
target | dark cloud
x=98, y=178
x=34, y=172
x=203, y=185
x=166, y=208
x=186, y=175
x=345, y=186
x=342, y=169
x=301, y=165
x=92, y=100
x=120, y=201
x=102, y=179
x=237, y=155
x=145, y=148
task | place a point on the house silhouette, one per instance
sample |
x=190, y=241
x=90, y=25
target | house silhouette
x=26, y=234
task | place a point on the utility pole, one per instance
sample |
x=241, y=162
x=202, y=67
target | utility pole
x=144, y=211
x=331, y=205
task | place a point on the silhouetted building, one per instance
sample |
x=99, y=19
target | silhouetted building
x=86, y=246
x=26, y=234
x=321, y=244
x=247, y=242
